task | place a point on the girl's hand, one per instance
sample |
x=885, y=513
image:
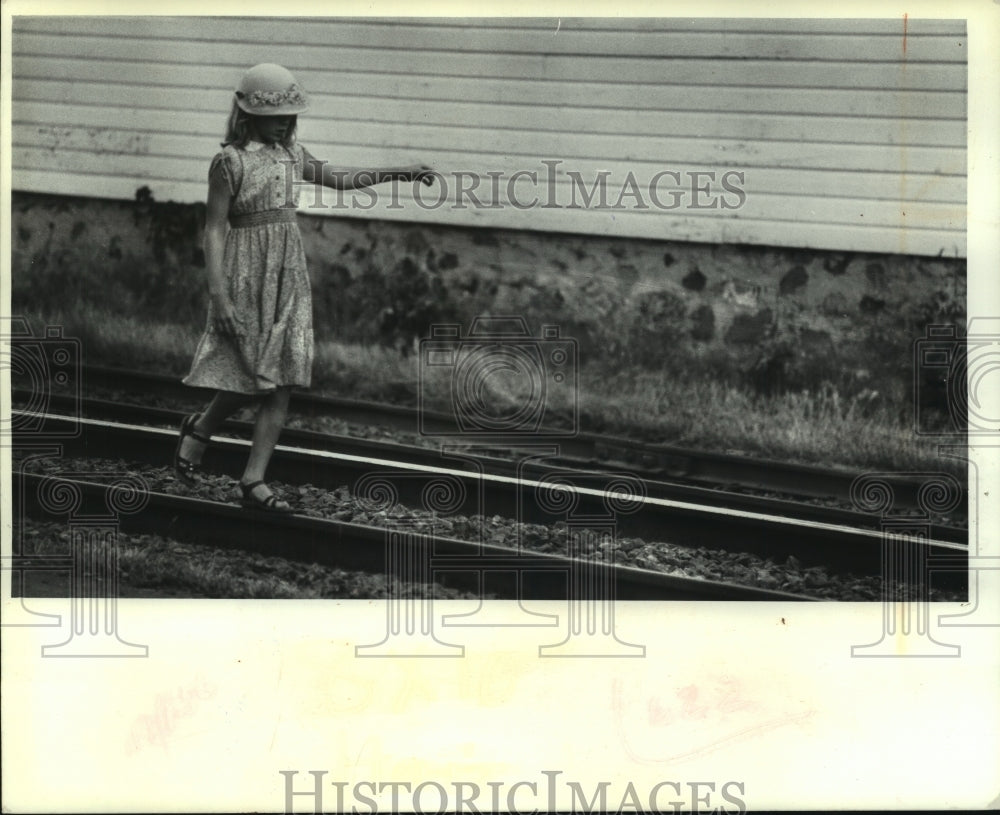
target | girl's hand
x=421, y=173
x=225, y=315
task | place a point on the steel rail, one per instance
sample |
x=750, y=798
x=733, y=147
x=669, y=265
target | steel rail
x=582, y=450
x=537, y=468
x=528, y=575
x=649, y=517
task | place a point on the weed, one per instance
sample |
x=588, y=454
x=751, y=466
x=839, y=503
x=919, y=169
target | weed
x=700, y=405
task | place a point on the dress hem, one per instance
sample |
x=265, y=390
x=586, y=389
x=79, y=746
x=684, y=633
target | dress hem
x=241, y=392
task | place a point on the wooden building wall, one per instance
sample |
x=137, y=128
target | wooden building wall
x=851, y=134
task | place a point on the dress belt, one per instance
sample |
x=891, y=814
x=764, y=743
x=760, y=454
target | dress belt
x=285, y=215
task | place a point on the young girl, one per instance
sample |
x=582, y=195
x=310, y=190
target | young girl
x=258, y=343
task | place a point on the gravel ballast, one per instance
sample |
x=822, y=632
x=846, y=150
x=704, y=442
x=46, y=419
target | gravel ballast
x=156, y=566
x=380, y=433
x=661, y=556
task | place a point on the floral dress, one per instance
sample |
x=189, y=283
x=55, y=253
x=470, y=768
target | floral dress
x=264, y=267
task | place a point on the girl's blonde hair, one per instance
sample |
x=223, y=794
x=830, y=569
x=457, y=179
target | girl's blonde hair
x=239, y=128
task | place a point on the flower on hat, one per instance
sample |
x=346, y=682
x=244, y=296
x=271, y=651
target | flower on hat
x=293, y=95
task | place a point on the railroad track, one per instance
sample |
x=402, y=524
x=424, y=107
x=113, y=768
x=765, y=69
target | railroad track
x=540, y=466
x=460, y=564
x=538, y=494
x=582, y=451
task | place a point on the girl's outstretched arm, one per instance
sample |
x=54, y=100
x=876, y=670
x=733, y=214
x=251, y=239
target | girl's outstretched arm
x=216, y=224
x=316, y=171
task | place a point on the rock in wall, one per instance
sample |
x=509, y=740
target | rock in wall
x=790, y=317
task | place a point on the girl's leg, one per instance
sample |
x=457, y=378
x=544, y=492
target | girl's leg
x=223, y=405
x=270, y=420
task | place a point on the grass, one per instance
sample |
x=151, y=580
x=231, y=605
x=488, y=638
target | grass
x=111, y=338
x=819, y=426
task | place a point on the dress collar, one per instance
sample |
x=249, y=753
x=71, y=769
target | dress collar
x=253, y=146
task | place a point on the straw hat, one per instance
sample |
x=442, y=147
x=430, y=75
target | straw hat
x=270, y=90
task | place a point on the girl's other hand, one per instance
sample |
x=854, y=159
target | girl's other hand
x=422, y=173
x=225, y=315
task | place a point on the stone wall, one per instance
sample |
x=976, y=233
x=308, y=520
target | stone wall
x=788, y=317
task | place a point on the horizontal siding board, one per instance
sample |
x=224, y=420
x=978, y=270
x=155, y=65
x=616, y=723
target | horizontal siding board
x=669, y=153
x=758, y=207
x=705, y=73
x=529, y=146
x=570, y=67
x=753, y=102
x=274, y=26
x=837, y=133
x=108, y=165
x=831, y=130
x=760, y=25
x=945, y=47
x=831, y=208
x=363, y=204
x=196, y=151
x=835, y=130
x=917, y=241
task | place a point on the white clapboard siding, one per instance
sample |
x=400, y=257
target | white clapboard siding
x=450, y=113
x=849, y=134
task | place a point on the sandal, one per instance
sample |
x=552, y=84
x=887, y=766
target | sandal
x=184, y=468
x=270, y=504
